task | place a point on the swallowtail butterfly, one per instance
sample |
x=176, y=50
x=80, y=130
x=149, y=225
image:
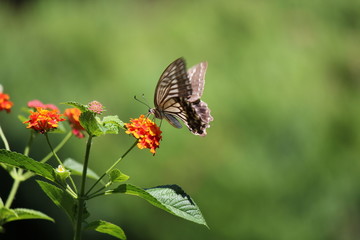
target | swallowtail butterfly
x=177, y=96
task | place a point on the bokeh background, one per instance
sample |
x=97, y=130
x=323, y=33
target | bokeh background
x=281, y=159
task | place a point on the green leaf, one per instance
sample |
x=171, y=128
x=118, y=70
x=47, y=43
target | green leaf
x=106, y=227
x=6, y=213
x=94, y=125
x=82, y=107
x=77, y=168
x=9, y=215
x=61, y=198
x=117, y=176
x=22, y=118
x=178, y=202
x=91, y=124
x=97, y=127
x=112, y=124
x=170, y=198
x=21, y=161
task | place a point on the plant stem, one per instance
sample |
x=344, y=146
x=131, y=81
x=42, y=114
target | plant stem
x=17, y=173
x=52, y=150
x=3, y=138
x=112, y=167
x=6, y=144
x=12, y=194
x=50, y=154
x=29, y=143
x=57, y=148
x=81, y=199
x=58, y=159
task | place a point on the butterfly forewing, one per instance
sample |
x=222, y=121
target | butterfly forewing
x=174, y=82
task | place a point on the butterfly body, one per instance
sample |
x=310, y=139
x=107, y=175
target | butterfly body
x=177, y=96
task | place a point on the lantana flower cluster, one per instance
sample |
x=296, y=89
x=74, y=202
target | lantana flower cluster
x=43, y=120
x=46, y=117
x=73, y=116
x=5, y=103
x=146, y=131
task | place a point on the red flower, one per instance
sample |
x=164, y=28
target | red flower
x=73, y=115
x=5, y=103
x=36, y=104
x=148, y=133
x=44, y=120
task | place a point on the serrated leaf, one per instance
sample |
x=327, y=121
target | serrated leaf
x=82, y=107
x=23, y=213
x=170, y=198
x=6, y=213
x=77, y=168
x=117, y=176
x=178, y=202
x=106, y=227
x=112, y=124
x=21, y=161
x=91, y=124
x=61, y=198
x=9, y=215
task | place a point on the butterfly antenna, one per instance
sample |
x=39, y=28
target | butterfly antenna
x=143, y=102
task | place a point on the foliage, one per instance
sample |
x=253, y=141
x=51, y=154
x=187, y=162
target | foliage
x=64, y=193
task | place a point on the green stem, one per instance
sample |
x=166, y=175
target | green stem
x=3, y=138
x=94, y=195
x=17, y=174
x=13, y=191
x=52, y=150
x=57, y=148
x=81, y=199
x=28, y=145
x=6, y=144
x=50, y=154
x=111, y=168
x=58, y=159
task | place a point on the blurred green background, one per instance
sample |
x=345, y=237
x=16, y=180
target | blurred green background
x=281, y=159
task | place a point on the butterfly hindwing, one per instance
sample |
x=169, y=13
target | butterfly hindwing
x=195, y=115
x=196, y=76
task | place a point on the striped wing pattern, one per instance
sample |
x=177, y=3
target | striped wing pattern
x=177, y=96
x=174, y=82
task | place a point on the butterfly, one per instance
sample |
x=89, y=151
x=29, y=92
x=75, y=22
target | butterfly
x=177, y=96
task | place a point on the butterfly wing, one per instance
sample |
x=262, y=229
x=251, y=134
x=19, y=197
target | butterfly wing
x=196, y=76
x=177, y=95
x=173, y=82
x=201, y=116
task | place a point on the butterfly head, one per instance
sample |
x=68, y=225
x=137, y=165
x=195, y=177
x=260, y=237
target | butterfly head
x=156, y=113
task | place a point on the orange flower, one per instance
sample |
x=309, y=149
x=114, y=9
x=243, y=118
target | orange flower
x=5, y=103
x=44, y=120
x=148, y=133
x=73, y=115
